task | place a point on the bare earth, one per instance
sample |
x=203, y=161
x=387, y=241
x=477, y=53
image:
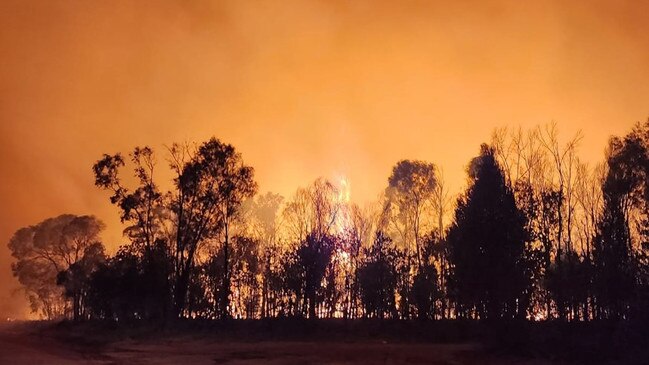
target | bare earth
x=19, y=345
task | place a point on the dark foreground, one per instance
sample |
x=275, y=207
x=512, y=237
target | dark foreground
x=278, y=342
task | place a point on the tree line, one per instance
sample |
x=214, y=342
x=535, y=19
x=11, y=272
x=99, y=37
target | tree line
x=536, y=235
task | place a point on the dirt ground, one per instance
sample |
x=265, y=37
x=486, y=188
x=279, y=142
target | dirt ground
x=20, y=344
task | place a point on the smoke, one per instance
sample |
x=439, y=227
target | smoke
x=302, y=89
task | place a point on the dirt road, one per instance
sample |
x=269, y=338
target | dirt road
x=22, y=344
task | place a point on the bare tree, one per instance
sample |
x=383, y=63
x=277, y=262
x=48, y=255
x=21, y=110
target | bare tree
x=411, y=188
x=312, y=210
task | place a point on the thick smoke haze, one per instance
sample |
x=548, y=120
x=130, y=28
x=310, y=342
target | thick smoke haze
x=302, y=88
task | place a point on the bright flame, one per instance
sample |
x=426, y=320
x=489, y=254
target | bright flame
x=344, y=192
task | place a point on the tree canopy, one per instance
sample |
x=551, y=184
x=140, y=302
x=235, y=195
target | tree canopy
x=537, y=234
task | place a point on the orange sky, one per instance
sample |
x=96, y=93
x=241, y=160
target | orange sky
x=301, y=88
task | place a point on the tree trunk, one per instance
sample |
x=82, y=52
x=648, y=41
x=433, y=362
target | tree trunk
x=312, y=306
x=225, y=293
x=181, y=293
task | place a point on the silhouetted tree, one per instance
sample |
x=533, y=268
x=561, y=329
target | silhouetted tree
x=377, y=277
x=290, y=284
x=145, y=209
x=411, y=187
x=201, y=298
x=612, y=260
x=441, y=203
x=409, y=212
x=76, y=279
x=537, y=234
x=569, y=284
x=211, y=185
x=487, y=243
x=312, y=210
x=116, y=287
x=48, y=248
x=140, y=207
x=548, y=181
x=425, y=291
x=307, y=269
x=352, y=240
x=263, y=223
x=617, y=262
x=246, y=265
